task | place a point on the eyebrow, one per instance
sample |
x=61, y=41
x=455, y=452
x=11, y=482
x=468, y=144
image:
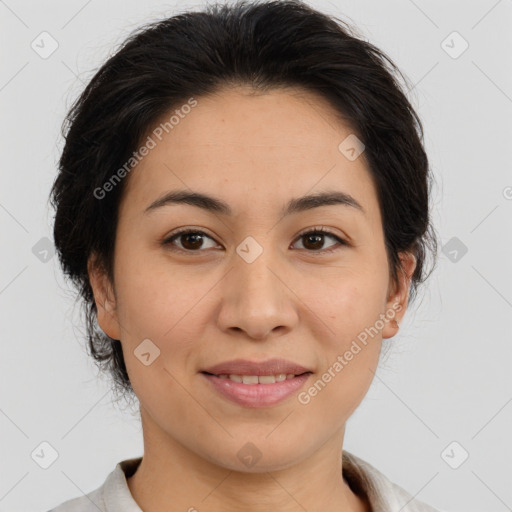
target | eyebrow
x=216, y=205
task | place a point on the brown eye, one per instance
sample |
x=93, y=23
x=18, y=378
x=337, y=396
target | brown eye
x=191, y=240
x=314, y=240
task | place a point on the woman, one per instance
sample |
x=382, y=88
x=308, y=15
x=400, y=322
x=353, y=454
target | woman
x=243, y=204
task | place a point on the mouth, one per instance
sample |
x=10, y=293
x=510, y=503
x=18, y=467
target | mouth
x=256, y=391
x=257, y=379
x=240, y=369
x=256, y=383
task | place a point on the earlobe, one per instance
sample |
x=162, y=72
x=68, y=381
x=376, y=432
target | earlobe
x=105, y=300
x=398, y=298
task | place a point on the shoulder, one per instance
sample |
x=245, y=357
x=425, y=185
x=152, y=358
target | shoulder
x=383, y=494
x=112, y=496
x=91, y=502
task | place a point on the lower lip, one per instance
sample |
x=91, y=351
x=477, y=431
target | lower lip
x=257, y=395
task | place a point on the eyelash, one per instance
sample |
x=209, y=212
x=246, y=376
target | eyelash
x=316, y=230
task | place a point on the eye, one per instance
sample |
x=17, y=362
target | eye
x=192, y=240
x=315, y=239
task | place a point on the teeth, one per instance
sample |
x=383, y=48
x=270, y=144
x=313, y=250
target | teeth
x=261, y=379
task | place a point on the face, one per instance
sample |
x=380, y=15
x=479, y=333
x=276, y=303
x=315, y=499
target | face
x=254, y=283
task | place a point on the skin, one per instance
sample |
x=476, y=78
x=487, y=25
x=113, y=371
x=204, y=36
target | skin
x=200, y=308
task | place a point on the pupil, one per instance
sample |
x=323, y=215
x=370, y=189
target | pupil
x=196, y=243
x=318, y=238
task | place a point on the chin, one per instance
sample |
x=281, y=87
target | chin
x=255, y=456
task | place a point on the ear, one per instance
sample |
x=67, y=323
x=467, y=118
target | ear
x=398, y=295
x=105, y=300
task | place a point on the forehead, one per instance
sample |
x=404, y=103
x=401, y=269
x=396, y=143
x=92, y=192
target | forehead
x=242, y=118
x=260, y=147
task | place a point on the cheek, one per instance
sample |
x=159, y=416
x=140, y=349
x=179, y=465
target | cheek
x=346, y=302
x=348, y=310
x=166, y=307
x=151, y=297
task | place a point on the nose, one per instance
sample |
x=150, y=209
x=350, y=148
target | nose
x=257, y=298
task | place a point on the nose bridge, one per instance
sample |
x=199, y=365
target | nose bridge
x=255, y=299
x=255, y=268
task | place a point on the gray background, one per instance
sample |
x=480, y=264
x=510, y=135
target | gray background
x=448, y=376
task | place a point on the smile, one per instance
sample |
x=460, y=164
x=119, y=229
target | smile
x=258, y=379
x=256, y=390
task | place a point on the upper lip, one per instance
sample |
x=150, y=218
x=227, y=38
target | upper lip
x=246, y=367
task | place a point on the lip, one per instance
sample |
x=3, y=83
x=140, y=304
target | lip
x=245, y=367
x=256, y=395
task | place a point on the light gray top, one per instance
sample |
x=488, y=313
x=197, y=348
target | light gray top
x=383, y=495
